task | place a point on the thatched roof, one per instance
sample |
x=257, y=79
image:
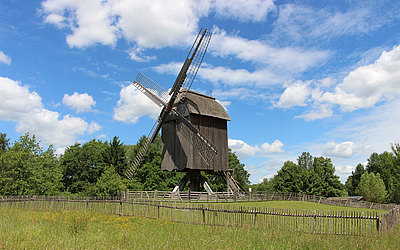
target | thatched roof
x=200, y=104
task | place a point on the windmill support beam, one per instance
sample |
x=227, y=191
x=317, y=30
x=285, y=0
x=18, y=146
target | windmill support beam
x=195, y=180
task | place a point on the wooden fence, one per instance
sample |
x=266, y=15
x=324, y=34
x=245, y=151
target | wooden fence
x=390, y=219
x=327, y=222
x=150, y=196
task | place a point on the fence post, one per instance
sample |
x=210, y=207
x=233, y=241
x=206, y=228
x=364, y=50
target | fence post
x=377, y=222
x=314, y=221
x=120, y=207
x=87, y=204
x=158, y=210
x=204, y=214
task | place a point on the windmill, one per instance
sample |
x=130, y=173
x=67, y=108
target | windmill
x=194, y=129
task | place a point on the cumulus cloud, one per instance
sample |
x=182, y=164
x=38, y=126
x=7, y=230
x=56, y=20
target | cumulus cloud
x=90, y=21
x=93, y=127
x=275, y=147
x=133, y=104
x=79, y=102
x=367, y=85
x=4, y=58
x=156, y=24
x=294, y=95
x=26, y=109
x=364, y=87
x=148, y=24
x=244, y=150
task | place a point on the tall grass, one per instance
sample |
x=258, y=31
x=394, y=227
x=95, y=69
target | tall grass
x=22, y=229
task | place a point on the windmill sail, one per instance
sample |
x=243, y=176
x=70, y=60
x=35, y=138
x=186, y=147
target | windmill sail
x=191, y=65
x=131, y=171
x=160, y=96
x=151, y=89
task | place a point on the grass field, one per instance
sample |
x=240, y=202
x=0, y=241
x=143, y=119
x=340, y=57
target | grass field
x=22, y=229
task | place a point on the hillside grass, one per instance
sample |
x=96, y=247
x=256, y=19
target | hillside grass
x=27, y=229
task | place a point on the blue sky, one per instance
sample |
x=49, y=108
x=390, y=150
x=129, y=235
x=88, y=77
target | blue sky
x=295, y=76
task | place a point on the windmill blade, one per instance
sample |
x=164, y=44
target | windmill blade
x=151, y=89
x=191, y=65
x=132, y=170
x=205, y=147
x=196, y=54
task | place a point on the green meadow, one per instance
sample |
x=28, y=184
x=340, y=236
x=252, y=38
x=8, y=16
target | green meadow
x=26, y=229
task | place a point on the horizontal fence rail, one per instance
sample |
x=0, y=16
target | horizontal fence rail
x=326, y=222
x=190, y=196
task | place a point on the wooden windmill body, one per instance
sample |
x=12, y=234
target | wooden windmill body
x=210, y=118
x=193, y=126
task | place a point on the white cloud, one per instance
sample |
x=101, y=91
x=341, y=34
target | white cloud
x=79, y=102
x=275, y=147
x=244, y=150
x=242, y=93
x=137, y=54
x=286, y=59
x=26, y=109
x=244, y=10
x=226, y=76
x=133, y=104
x=148, y=24
x=321, y=112
x=342, y=150
x=93, y=127
x=369, y=84
x=4, y=58
x=344, y=171
x=376, y=129
x=294, y=95
x=90, y=21
x=156, y=24
x=301, y=23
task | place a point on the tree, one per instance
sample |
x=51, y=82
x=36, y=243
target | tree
x=317, y=178
x=386, y=165
x=109, y=183
x=322, y=180
x=305, y=160
x=83, y=165
x=4, y=143
x=394, y=192
x=289, y=178
x=25, y=169
x=265, y=185
x=372, y=187
x=354, y=179
x=115, y=155
x=240, y=174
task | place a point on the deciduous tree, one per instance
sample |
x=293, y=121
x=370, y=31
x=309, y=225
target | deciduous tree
x=372, y=187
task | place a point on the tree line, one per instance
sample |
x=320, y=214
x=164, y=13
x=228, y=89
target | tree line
x=94, y=168
x=378, y=181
